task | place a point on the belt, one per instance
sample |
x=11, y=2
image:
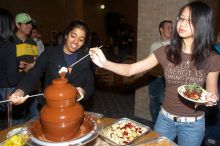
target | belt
x=176, y=118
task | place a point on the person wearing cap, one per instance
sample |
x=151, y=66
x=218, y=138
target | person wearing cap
x=26, y=48
x=26, y=53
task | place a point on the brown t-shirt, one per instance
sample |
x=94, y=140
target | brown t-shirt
x=182, y=74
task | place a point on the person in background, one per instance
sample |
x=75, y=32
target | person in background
x=122, y=39
x=27, y=53
x=131, y=42
x=156, y=74
x=54, y=57
x=26, y=48
x=94, y=40
x=35, y=35
x=9, y=72
x=190, y=58
x=60, y=39
x=37, y=102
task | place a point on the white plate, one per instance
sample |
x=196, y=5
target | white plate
x=181, y=90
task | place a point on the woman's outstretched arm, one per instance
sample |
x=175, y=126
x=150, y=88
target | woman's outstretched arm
x=100, y=60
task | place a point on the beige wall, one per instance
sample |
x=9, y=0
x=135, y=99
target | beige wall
x=214, y=4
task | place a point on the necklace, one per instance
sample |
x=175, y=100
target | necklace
x=187, y=60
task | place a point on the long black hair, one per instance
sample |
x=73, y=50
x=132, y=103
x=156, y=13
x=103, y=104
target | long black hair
x=6, y=25
x=201, y=18
x=82, y=25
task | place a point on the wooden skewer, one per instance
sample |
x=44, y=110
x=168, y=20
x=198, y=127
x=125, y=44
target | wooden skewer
x=82, y=58
x=28, y=97
x=78, y=60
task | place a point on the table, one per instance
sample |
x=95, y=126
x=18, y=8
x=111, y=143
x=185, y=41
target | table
x=98, y=141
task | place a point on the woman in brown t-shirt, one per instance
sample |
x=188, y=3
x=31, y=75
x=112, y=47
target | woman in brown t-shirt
x=188, y=59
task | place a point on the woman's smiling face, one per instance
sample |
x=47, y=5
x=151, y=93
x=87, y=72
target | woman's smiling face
x=74, y=40
x=185, y=28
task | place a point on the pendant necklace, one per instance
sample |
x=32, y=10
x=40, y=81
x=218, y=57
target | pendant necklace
x=187, y=60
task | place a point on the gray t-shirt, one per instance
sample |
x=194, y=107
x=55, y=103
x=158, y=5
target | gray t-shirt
x=184, y=73
x=157, y=71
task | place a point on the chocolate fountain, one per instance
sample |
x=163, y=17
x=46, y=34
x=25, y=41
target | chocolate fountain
x=62, y=115
x=62, y=119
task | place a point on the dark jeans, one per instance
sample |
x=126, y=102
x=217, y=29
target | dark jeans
x=156, y=92
x=20, y=113
x=4, y=92
x=213, y=120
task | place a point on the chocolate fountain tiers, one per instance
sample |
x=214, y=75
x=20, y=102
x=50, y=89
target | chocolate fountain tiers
x=62, y=115
x=88, y=131
x=62, y=119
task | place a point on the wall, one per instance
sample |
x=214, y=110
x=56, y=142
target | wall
x=95, y=17
x=56, y=15
x=50, y=15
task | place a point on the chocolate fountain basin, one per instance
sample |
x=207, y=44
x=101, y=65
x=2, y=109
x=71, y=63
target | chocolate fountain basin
x=88, y=131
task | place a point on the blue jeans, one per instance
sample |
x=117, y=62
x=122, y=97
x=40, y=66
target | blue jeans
x=188, y=133
x=156, y=92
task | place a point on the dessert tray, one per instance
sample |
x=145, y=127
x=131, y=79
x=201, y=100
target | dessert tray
x=160, y=141
x=123, y=132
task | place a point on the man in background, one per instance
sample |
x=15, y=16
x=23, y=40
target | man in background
x=26, y=53
x=157, y=84
x=26, y=48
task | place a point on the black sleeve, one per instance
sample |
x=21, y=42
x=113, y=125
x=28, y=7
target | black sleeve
x=13, y=74
x=83, y=76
